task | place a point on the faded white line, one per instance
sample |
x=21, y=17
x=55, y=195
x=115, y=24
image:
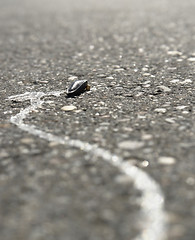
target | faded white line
x=152, y=201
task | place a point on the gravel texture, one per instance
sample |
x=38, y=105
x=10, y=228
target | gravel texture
x=138, y=57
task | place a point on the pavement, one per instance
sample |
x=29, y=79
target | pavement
x=120, y=164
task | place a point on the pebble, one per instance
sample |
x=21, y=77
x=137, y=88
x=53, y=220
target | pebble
x=140, y=50
x=186, y=81
x=91, y=47
x=78, y=111
x=146, y=86
x=147, y=137
x=110, y=78
x=73, y=78
x=144, y=164
x=167, y=104
x=119, y=69
x=116, y=66
x=101, y=75
x=164, y=88
x=145, y=69
x=43, y=61
x=190, y=181
x=69, y=108
x=27, y=140
x=131, y=145
x=174, y=53
x=146, y=74
x=170, y=120
x=127, y=129
x=166, y=160
x=139, y=94
x=185, y=112
x=160, y=110
x=53, y=144
x=175, y=81
x=146, y=82
x=20, y=83
x=172, y=69
x=191, y=59
x=180, y=107
x=141, y=117
x=182, y=128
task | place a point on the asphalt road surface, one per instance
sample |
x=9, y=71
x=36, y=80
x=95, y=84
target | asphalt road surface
x=120, y=164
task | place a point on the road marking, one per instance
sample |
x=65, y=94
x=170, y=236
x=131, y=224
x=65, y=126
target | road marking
x=152, y=201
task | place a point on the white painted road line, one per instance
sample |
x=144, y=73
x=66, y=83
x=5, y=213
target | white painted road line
x=152, y=201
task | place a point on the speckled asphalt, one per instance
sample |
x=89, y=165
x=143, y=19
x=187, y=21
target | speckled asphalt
x=139, y=58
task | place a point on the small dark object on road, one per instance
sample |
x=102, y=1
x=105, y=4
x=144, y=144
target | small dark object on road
x=78, y=87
